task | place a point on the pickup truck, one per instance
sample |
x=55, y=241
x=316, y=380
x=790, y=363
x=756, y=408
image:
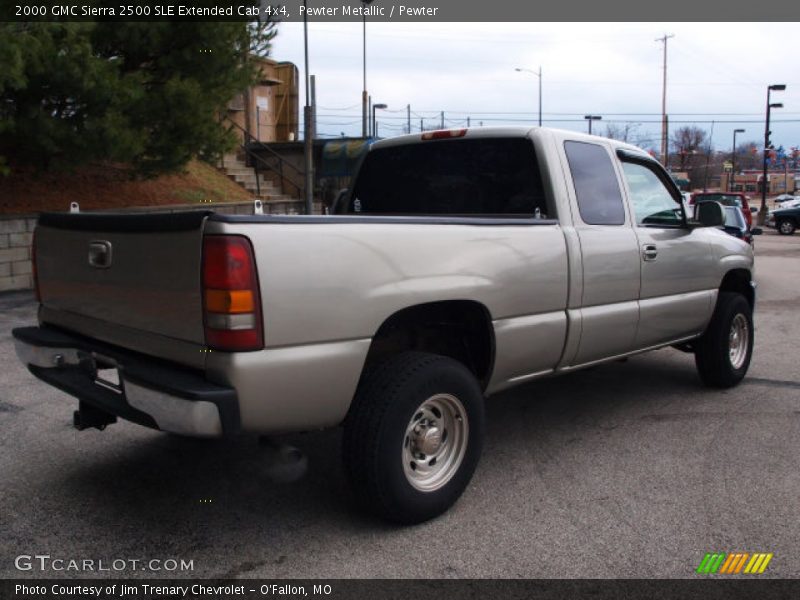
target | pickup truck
x=460, y=263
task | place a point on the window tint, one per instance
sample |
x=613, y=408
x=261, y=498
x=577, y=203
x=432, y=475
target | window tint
x=596, y=186
x=451, y=177
x=652, y=202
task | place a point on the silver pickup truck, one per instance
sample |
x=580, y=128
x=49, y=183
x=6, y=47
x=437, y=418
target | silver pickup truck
x=459, y=264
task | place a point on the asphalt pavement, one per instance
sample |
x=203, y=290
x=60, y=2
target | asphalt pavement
x=631, y=469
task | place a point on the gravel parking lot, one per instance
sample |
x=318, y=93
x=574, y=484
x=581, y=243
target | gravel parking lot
x=632, y=469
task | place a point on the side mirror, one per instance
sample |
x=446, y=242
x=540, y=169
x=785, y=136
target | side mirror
x=753, y=210
x=756, y=231
x=709, y=214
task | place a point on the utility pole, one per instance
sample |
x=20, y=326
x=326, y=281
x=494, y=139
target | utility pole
x=664, y=102
x=732, y=179
x=364, y=107
x=442, y=120
x=308, y=148
x=408, y=117
x=467, y=122
x=708, y=157
x=313, y=107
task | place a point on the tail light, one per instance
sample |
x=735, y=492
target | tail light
x=33, y=269
x=231, y=302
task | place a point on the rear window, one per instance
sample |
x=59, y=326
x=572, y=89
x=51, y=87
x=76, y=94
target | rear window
x=734, y=218
x=596, y=186
x=724, y=199
x=451, y=177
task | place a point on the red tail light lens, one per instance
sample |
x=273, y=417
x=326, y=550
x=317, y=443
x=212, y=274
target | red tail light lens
x=444, y=134
x=231, y=303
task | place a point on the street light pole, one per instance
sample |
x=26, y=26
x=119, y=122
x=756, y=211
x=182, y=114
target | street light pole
x=762, y=214
x=591, y=118
x=733, y=160
x=539, y=75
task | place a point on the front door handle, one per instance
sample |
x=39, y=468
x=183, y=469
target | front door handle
x=649, y=252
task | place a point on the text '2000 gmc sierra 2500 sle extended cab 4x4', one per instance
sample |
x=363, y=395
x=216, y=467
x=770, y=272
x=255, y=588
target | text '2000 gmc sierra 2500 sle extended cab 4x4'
x=460, y=263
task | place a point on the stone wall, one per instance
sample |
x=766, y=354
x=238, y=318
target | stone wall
x=16, y=232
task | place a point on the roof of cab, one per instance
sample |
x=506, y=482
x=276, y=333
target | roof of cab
x=500, y=132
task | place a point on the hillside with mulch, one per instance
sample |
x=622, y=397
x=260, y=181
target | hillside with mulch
x=109, y=187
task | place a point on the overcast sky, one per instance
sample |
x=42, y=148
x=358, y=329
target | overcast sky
x=716, y=72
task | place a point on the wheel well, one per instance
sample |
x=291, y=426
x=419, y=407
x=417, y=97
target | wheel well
x=460, y=329
x=738, y=281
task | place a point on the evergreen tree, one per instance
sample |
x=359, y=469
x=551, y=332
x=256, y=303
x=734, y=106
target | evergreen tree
x=145, y=94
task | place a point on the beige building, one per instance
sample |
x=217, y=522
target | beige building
x=779, y=182
x=268, y=111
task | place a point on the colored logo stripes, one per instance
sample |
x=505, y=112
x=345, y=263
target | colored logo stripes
x=734, y=563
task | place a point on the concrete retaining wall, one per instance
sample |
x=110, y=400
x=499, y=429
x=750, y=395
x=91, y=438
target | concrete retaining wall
x=15, y=252
x=16, y=232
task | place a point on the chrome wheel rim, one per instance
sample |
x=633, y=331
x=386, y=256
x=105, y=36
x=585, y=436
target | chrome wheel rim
x=738, y=341
x=435, y=442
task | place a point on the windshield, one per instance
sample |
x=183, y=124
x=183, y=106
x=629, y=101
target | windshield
x=451, y=177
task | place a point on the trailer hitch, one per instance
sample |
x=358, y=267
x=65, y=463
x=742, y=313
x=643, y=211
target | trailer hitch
x=89, y=416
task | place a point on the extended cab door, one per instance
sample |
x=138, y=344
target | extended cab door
x=678, y=268
x=605, y=314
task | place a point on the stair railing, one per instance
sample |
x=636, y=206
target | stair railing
x=259, y=160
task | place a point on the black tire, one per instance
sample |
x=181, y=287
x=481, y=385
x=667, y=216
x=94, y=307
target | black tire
x=715, y=364
x=785, y=226
x=376, y=439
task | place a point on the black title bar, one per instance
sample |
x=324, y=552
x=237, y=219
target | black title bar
x=405, y=11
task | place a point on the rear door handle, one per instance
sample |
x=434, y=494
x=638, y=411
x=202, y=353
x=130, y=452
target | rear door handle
x=649, y=252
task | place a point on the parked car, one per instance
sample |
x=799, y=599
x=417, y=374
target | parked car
x=785, y=198
x=726, y=199
x=736, y=225
x=785, y=220
x=461, y=263
x=790, y=203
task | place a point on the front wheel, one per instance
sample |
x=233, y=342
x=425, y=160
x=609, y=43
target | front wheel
x=413, y=437
x=786, y=227
x=723, y=353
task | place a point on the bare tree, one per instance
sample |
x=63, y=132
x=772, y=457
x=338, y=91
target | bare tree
x=749, y=155
x=623, y=133
x=687, y=142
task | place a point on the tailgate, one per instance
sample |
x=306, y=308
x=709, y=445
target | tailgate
x=130, y=280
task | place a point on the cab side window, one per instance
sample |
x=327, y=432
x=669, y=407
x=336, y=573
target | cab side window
x=653, y=204
x=596, y=185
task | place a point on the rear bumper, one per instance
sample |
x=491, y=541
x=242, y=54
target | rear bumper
x=151, y=392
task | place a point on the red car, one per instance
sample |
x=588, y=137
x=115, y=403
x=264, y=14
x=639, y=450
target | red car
x=726, y=199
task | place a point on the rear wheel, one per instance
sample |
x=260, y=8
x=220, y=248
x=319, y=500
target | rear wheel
x=723, y=353
x=786, y=227
x=413, y=437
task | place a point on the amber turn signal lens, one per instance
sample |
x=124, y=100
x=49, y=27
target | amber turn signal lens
x=229, y=301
